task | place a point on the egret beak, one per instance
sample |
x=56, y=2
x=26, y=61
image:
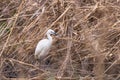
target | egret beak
x=55, y=34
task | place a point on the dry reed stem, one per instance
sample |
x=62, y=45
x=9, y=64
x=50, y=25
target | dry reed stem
x=57, y=19
x=67, y=58
x=23, y=63
x=39, y=77
x=86, y=17
x=14, y=23
x=111, y=65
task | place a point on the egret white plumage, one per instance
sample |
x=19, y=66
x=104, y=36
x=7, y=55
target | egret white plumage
x=43, y=46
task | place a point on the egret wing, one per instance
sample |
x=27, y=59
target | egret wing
x=40, y=47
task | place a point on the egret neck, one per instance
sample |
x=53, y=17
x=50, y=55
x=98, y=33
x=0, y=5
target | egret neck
x=49, y=37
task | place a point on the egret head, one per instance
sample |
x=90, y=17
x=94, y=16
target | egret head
x=50, y=31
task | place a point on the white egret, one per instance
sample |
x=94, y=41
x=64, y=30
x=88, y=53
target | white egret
x=43, y=46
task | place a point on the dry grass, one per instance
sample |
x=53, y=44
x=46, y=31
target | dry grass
x=87, y=47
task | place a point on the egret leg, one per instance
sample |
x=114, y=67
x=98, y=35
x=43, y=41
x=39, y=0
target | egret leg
x=47, y=62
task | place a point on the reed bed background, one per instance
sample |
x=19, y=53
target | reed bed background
x=87, y=46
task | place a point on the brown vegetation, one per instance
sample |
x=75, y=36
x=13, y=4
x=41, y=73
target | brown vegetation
x=87, y=46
